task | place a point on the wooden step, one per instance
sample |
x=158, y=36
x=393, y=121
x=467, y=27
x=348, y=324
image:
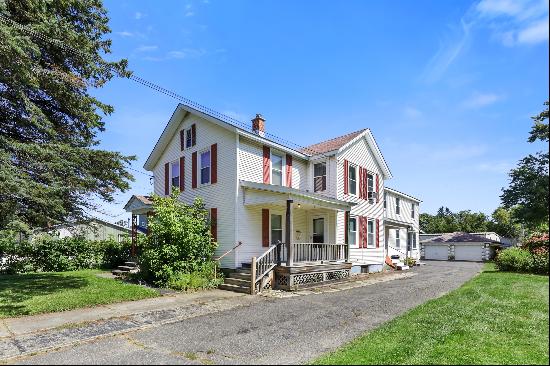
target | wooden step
x=130, y=264
x=126, y=268
x=243, y=270
x=118, y=272
x=240, y=276
x=237, y=282
x=234, y=288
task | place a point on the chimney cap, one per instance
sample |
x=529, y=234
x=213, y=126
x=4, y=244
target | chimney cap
x=259, y=116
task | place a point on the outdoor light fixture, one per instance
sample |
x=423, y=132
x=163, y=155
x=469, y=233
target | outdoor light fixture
x=299, y=205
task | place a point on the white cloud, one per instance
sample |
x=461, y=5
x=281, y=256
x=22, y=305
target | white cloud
x=125, y=34
x=144, y=48
x=186, y=53
x=138, y=15
x=479, y=100
x=535, y=33
x=494, y=167
x=189, y=14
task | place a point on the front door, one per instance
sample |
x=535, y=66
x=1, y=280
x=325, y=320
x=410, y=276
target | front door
x=319, y=230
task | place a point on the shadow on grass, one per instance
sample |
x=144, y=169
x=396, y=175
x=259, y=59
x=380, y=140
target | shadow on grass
x=15, y=289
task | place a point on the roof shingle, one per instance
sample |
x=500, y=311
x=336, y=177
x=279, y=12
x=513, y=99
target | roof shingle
x=332, y=144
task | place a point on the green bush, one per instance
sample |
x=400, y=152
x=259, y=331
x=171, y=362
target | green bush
x=48, y=254
x=540, y=261
x=514, y=259
x=178, y=250
x=203, y=278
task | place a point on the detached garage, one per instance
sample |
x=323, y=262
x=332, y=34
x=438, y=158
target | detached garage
x=458, y=246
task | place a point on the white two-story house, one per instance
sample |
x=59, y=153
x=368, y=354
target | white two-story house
x=275, y=205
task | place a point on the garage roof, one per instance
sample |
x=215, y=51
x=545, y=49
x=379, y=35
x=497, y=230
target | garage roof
x=460, y=237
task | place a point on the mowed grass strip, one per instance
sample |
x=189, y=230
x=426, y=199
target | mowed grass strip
x=495, y=318
x=36, y=293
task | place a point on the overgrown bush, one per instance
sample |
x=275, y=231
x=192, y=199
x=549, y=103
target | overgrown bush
x=46, y=253
x=514, y=259
x=540, y=260
x=178, y=250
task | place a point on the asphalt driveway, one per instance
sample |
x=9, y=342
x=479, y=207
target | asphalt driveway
x=268, y=330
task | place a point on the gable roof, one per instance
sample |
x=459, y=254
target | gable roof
x=332, y=144
x=396, y=192
x=460, y=237
x=182, y=110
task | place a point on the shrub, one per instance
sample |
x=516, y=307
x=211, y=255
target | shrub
x=514, y=259
x=540, y=260
x=202, y=278
x=178, y=251
x=537, y=241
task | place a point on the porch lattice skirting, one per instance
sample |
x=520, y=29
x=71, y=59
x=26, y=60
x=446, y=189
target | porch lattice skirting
x=294, y=278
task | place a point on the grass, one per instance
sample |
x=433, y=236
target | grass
x=495, y=318
x=36, y=293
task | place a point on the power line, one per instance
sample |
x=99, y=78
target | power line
x=165, y=91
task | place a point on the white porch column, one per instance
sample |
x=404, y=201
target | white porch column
x=289, y=229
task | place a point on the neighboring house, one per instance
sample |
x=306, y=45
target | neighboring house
x=324, y=202
x=401, y=223
x=459, y=246
x=94, y=229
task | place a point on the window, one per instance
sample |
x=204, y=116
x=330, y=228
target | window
x=397, y=239
x=276, y=229
x=413, y=236
x=320, y=177
x=370, y=234
x=175, y=171
x=188, y=138
x=385, y=204
x=276, y=169
x=370, y=186
x=397, y=208
x=352, y=231
x=205, y=167
x=412, y=210
x=352, y=179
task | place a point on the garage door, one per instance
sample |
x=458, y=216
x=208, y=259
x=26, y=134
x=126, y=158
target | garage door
x=437, y=252
x=468, y=252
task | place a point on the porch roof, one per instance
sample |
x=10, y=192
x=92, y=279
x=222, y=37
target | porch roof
x=397, y=223
x=260, y=193
x=139, y=205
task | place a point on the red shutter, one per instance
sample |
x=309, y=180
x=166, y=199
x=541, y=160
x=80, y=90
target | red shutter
x=377, y=188
x=194, y=170
x=365, y=183
x=214, y=163
x=361, y=231
x=346, y=227
x=214, y=223
x=267, y=163
x=182, y=174
x=193, y=134
x=182, y=140
x=265, y=227
x=361, y=183
x=288, y=170
x=377, y=233
x=346, y=183
x=167, y=179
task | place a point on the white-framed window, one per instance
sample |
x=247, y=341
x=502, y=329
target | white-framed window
x=412, y=210
x=205, y=166
x=352, y=231
x=175, y=174
x=397, y=239
x=352, y=179
x=319, y=177
x=276, y=228
x=188, y=138
x=413, y=237
x=277, y=169
x=370, y=234
x=385, y=203
x=397, y=205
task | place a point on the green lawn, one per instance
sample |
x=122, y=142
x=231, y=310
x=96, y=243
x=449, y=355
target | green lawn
x=35, y=293
x=495, y=318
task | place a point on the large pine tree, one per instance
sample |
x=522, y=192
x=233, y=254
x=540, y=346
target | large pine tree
x=50, y=167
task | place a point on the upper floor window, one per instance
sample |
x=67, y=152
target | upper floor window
x=320, y=177
x=276, y=169
x=205, y=167
x=385, y=204
x=188, y=139
x=175, y=173
x=397, y=205
x=397, y=239
x=370, y=234
x=352, y=179
x=352, y=231
x=412, y=210
x=370, y=186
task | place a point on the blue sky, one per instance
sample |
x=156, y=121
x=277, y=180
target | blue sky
x=447, y=88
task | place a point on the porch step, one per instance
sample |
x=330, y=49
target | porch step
x=234, y=288
x=401, y=267
x=243, y=270
x=237, y=282
x=130, y=264
x=127, y=268
x=240, y=276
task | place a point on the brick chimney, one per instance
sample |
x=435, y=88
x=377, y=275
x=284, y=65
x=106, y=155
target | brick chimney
x=258, y=125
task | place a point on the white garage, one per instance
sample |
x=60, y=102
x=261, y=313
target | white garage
x=469, y=252
x=458, y=246
x=437, y=252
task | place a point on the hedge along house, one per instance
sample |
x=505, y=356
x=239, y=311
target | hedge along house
x=283, y=216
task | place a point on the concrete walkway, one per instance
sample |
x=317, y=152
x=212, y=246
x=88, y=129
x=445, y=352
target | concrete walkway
x=240, y=329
